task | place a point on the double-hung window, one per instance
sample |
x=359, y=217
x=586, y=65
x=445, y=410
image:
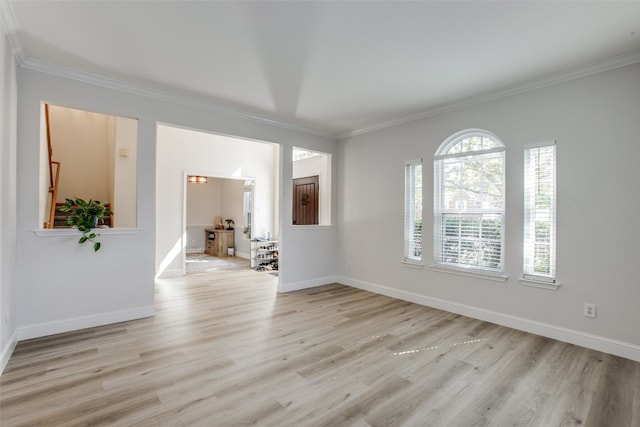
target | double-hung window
x=413, y=211
x=539, y=258
x=469, y=202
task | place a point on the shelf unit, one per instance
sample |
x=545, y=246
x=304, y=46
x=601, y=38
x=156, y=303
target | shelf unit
x=264, y=253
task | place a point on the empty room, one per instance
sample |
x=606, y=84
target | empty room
x=418, y=213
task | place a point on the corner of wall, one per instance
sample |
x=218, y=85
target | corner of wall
x=7, y=351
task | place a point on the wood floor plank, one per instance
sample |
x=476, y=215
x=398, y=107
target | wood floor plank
x=225, y=349
x=397, y=410
x=613, y=398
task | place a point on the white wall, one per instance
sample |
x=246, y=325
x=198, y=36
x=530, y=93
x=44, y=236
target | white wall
x=204, y=203
x=233, y=203
x=72, y=287
x=596, y=123
x=125, y=155
x=299, y=241
x=90, y=145
x=57, y=296
x=80, y=141
x=8, y=87
x=182, y=152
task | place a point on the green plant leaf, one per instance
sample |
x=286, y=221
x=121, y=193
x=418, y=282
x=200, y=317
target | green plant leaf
x=82, y=214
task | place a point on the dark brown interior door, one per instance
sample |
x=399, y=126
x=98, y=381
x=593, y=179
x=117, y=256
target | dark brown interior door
x=305, y=200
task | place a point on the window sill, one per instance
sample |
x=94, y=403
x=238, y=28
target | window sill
x=311, y=227
x=412, y=263
x=496, y=277
x=74, y=231
x=539, y=284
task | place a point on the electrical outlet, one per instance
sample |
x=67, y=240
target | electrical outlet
x=349, y=265
x=590, y=310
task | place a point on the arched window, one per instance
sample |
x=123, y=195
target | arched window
x=469, y=202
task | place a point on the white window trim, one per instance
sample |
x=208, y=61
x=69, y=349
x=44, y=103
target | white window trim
x=441, y=155
x=414, y=261
x=470, y=272
x=468, y=133
x=526, y=281
x=529, y=278
x=74, y=231
x=311, y=227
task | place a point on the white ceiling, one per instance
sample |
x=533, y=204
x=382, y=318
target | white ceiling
x=330, y=66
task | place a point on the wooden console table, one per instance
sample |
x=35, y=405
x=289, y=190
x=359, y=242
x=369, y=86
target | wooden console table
x=217, y=242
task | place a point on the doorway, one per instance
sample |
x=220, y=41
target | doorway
x=218, y=223
x=306, y=193
x=183, y=152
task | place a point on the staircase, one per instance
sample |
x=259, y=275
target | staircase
x=60, y=218
x=57, y=218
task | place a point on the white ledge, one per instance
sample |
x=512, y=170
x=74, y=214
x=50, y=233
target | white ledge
x=552, y=286
x=470, y=273
x=311, y=227
x=412, y=264
x=74, y=231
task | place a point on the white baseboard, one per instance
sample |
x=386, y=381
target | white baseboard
x=77, y=323
x=305, y=284
x=195, y=250
x=594, y=342
x=7, y=351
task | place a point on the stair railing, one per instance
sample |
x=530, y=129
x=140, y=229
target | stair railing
x=54, y=195
x=53, y=182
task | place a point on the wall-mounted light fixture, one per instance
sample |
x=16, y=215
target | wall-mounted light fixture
x=195, y=179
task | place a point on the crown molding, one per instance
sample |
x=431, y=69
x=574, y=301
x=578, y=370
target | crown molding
x=572, y=74
x=161, y=95
x=9, y=25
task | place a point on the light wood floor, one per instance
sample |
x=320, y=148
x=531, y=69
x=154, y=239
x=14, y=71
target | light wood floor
x=230, y=351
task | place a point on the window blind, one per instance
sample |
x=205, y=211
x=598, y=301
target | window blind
x=539, y=250
x=413, y=211
x=469, y=202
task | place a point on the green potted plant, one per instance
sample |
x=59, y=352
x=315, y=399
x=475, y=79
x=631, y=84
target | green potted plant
x=229, y=222
x=86, y=215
